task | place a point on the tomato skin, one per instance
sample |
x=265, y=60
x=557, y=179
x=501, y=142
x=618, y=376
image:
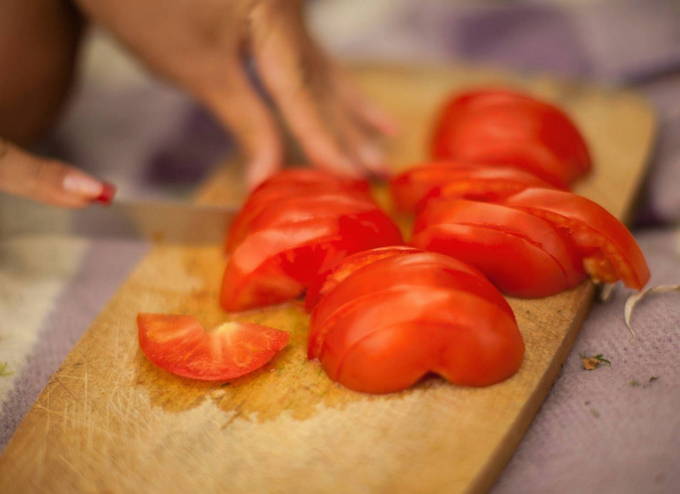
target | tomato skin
x=317, y=206
x=311, y=176
x=289, y=184
x=521, y=254
x=412, y=188
x=275, y=265
x=389, y=322
x=293, y=229
x=180, y=345
x=419, y=271
x=608, y=249
x=460, y=336
x=347, y=266
x=504, y=127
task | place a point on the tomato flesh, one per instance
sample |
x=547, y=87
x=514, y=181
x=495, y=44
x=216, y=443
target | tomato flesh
x=408, y=270
x=180, y=345
x=510, y=128
x=388, y=322
x=412, y=188
x=269, y=194
x=274, y=265
x=323, y=285
x=458, y=335
x=521, y=254
x=609, y=252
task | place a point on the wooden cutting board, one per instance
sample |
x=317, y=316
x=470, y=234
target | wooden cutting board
x=108, y=421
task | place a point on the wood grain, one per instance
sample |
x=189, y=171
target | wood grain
x=108, y=421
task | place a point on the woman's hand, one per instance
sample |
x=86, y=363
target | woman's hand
x=203, y=46
x=38, y=46
x=48, y=181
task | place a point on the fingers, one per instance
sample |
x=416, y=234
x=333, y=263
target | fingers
x=364, y=109
x=48, y=181
x=239, y=107
x=361, y=145
x=295, y=74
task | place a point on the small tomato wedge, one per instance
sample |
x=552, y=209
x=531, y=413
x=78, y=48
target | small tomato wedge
x=180, y=345
x=416, y=185
x=497, y=126
x=608, y=250
x=521, y=254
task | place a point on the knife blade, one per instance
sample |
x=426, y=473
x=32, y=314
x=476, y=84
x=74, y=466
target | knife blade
x=160, y=221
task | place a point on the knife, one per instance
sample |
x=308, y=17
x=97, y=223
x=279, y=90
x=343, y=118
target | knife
x=173, y=222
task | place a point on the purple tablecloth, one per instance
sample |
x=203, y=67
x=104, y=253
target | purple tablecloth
x=616, y=429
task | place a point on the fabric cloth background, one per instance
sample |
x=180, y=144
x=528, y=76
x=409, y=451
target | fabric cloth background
x=611, y=430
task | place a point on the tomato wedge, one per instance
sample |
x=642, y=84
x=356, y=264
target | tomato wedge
x=406, y=270
x=609, y=251
x=290, y=184
x=293, y=230
x=521, y=254
x=323, y=285
x=276, y=264
x=386, y=323
x=459, y=180
x=390, y=344
x=180, y=345
x=497, y=126
x=311, y=176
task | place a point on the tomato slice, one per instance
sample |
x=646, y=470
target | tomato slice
x=323, y=285
x=287, y=185
x=314, y=207
x=389, y=345
x=408, y=271
x=510, y=128
x=520, y=255
x=609, y=251
x=480, y=182
x=276, y=264
x=422, y=275
x=180, y=345
x=311, y=176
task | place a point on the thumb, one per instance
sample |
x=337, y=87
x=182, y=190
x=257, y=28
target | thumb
x=48, y=181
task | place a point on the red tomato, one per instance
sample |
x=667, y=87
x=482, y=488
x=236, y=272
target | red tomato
x=462, y=180
x=508, y=128
x=411, y=271
x=311, y=176
x=389, y=344
x=389, y=322
x=608, y=249
x=276, y=264
x=180, y=345
x=290, y=184
x=347, y=267
x=521, y=254
x=306, y=208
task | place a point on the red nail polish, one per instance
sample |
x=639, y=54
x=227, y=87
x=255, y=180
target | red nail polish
x=106, y=195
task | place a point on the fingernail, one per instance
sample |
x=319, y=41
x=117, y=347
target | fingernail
x=106, y=196
x=81, y=184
